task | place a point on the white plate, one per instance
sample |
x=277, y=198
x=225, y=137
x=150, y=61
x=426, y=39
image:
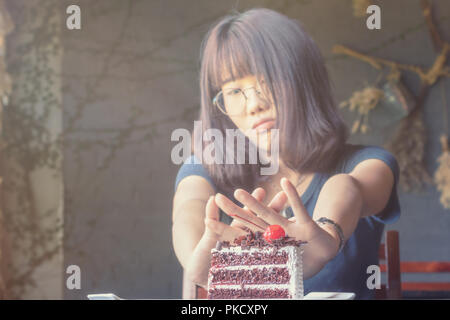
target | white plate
x=330, y=296
x=103, y=296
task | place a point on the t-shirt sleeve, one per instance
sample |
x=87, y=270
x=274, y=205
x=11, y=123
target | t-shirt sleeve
x=192, y=167
x=391, y=213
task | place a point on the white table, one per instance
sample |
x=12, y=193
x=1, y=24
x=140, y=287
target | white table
x=309, y=296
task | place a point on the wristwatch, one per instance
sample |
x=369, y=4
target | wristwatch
x=338, y=229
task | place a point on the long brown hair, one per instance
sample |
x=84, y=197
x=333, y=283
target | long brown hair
x=268, y=44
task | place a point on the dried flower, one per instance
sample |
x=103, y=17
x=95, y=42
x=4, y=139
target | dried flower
x=364, y=101
x=408, y=146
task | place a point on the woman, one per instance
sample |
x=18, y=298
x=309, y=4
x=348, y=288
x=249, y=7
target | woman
x=260, y=70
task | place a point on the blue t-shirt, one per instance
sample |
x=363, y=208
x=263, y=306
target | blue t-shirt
x=347, y=272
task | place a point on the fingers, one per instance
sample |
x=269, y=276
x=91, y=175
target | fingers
x=300, y=212
x=263, y=212
x=212, y=211
x=212, y=223
x=230, y=234
x=215, y=226
x=239, y=213
x=259, y=194
x=236, y=224
x=278, y=202
x=221, y=230
x=243, y=225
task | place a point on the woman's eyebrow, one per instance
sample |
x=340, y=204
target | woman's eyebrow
x=231, y=85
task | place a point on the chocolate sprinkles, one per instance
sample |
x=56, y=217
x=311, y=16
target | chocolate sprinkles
x=256, y=239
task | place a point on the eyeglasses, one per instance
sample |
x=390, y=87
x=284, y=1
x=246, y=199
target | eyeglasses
x=232, y=101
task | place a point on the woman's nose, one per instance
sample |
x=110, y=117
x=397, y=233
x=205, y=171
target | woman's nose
x=255, y=102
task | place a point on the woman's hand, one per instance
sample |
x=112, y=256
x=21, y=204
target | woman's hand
x=216, y=230
x=301, y=226
x=245, y=220
x=219, y=231
x=259, y=194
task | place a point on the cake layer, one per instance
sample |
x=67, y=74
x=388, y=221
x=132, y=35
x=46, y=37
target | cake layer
x=248, y=293
x=264, y=272
x=248, y=258
x=246, y=275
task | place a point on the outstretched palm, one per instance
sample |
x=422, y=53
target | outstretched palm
x=243, y=218
x=258, y=216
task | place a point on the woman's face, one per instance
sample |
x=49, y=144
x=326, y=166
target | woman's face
x=252, y=113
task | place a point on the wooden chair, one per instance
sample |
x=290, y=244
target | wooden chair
x=393, y=267
x=389, y=252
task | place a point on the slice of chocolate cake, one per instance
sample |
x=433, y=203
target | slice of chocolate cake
x=255, y=268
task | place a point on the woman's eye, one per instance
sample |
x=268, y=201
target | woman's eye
x=234, y=92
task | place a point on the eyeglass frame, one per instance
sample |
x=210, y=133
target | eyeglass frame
x=214, y=101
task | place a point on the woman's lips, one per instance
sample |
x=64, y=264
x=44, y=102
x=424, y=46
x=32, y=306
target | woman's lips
x=266, y=125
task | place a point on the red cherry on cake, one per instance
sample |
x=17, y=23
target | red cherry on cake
x=274, y=232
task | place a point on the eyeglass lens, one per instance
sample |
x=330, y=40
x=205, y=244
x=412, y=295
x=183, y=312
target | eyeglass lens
x=233, y=101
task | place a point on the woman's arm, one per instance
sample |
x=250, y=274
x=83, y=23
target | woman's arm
x=344, y=198
x=365, y=191
x=188, y=226
x=340, y=200
x=375, y=180
x=196, y=227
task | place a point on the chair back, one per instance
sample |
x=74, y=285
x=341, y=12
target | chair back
x=395, y=288
x=389, y=255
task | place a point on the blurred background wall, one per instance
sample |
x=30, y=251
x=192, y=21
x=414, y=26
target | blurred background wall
x=31, y=154
x=129, y=77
